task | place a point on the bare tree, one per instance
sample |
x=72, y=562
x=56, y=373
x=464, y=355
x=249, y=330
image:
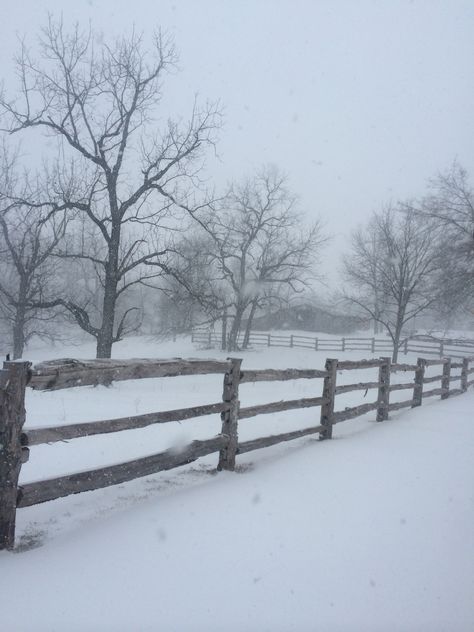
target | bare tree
x=449, y=209
x=195, y=292
x=374, y=251
x=115, y=172
x=188, y=297
x=27, y=242
x=259, y=245
x=402, y=268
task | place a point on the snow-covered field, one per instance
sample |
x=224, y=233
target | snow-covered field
x=371, y=531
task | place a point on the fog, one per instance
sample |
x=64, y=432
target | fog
x=359, y=102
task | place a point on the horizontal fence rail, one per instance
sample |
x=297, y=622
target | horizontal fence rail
x=270, y=375
x=36, y=436
x=35, y=493
x=65, y=373
x=276, y=407
x=15, y=440
x=265, y=442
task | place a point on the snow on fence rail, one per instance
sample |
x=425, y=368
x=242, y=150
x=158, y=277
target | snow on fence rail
x=427, y=345
x=60, y=374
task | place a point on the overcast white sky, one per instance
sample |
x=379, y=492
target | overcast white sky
x=359, y=101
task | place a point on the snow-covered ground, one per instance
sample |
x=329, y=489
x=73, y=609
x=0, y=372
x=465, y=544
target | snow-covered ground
x=371, y=531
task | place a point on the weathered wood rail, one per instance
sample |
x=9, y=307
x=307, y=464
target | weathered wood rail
x=421, y=345
x=15, y=440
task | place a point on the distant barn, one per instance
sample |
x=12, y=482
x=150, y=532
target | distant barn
x=309, y=318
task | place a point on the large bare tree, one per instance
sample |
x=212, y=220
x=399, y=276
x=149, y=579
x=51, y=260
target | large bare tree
x=391, y=270
x=118, y=172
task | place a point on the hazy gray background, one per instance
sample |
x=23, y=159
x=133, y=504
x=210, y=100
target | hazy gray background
x=360, y=102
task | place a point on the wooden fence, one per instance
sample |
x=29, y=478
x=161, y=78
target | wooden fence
x=426, y=345
x=15, y=441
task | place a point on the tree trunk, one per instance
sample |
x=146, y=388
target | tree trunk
x=19, y=337
x=248, y=328
x=104, y=345
x=234, y=330
x=396, y=341
x=224, y=330
x=19, y=333
x=105, y=338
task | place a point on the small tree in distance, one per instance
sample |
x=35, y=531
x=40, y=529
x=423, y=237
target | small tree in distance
x=449, y=209
x=391, y=270
x=258, y=247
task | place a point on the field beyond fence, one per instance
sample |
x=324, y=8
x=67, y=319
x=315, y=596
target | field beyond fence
x=16, y=441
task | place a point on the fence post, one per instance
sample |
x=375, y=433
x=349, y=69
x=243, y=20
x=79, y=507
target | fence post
x=291, y=340
x=373, y=346
x=269, y=340
x=418, y=387
x=315, y=344
x=446, y=378
x=210, y=337
x=464, y=370
x=383, y=397
x=441, y=349
x=13, y=380
x=230, y=416
x=329, y=395
x=343, y=344
x=405, y=348
x=192, y=335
